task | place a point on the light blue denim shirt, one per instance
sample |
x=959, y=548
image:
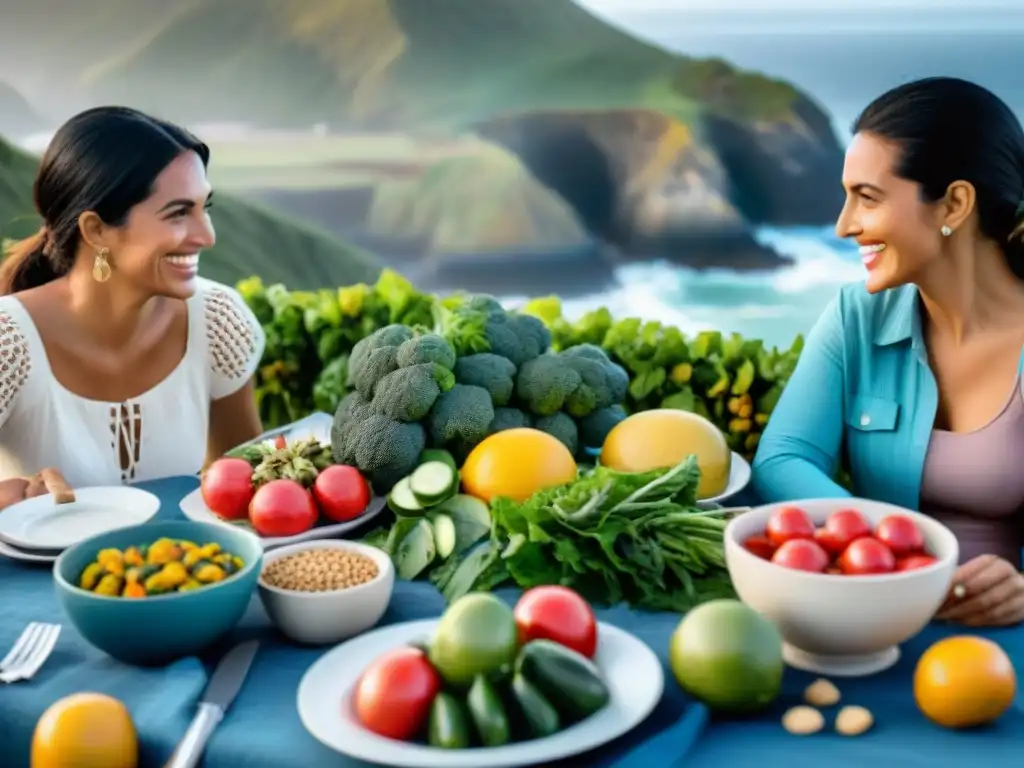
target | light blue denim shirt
x=862, y=384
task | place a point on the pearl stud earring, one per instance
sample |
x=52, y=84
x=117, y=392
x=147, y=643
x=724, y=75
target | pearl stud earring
x=946, y=230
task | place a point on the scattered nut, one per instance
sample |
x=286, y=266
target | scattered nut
x=803, y=721
x=319, y=570
x=821, y=693
x=853, y=721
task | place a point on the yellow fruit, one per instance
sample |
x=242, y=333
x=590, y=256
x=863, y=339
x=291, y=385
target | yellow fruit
x=961, y=682
x=85, y=730
x=664, y=437
x=516, y=463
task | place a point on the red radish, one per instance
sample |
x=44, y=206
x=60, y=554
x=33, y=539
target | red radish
x=227, y=489
x=282, y=508
x=341, y=492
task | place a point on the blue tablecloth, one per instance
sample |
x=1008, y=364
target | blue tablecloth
x=262, y=730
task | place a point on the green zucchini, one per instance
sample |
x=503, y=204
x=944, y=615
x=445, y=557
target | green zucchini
x=541, y=716
x=448, y=725
x=438, y=454
x=433, y=482
x=567, y=679
x=444, y=535
x=402, y=500
x=488, y=713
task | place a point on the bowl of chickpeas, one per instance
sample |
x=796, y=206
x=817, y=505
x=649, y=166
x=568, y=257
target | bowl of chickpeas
x=323, y=592
x=153, y=593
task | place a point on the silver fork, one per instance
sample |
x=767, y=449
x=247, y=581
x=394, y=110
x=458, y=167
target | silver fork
x=30, y=652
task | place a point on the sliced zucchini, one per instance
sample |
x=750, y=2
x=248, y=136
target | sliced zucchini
x=433, y=482
x=444, y=535
x=415, y=552
x=402, y=500
x=438, y=454
x=472, y=519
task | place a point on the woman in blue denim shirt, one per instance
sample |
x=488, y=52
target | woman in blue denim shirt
x=914, y=377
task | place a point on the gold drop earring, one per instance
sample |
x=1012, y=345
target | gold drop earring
x=101, y=266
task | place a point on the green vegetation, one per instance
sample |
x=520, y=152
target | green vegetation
x=250, y=238
x=740, y=95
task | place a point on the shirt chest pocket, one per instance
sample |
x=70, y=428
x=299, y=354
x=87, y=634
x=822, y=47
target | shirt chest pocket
x=871, y=426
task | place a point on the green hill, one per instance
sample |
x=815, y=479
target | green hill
x=250, y=239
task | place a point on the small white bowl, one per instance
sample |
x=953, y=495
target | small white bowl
x=322, y=618
x=841, y=625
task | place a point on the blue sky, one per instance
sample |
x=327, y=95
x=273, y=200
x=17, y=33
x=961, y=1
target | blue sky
x=625, y=7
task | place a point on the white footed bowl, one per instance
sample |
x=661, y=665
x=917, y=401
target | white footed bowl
x=841, y=625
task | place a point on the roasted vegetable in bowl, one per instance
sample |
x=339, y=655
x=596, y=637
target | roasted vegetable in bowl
x=166, y=565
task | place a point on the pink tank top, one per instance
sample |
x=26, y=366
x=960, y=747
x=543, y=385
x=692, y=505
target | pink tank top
x=973, y=482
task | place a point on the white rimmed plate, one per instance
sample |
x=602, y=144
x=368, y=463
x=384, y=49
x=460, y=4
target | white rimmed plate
x=26, y=555
x=739, y=479
x=631, y=670
x=39, y=523
x=194, y=508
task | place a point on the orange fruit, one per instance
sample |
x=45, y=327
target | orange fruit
x=662, y=438
x=964, y=681
x=516, y=463
x=85, y=730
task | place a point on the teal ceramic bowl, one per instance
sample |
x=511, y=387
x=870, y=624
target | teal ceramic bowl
x=160, y=629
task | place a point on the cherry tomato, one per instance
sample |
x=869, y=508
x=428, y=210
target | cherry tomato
x=801, y=555
x=394, y=694
x=760, y=546
x=789, y=523
x=900, y=534
x=828, y=541
x=866, y=556
x=913, y=562
x=280, y=442
x=341, y=492
x=558, y=614
x=845, y=526
x=227, y=488
x=282, y=508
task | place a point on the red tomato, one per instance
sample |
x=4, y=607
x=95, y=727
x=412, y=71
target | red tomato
x=341, y=492
x=789, y=523
x=227, y=488
x=900, y=534
x=282, y=508
x=866, y=556
x=280, y=442
x=828, y=541
x=760, y=546
x=845, y=526
x=558, y=614
x=394, y=694
x=913, y=562
x=802, y=555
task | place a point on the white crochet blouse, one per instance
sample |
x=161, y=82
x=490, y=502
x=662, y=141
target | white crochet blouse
x=160, y=433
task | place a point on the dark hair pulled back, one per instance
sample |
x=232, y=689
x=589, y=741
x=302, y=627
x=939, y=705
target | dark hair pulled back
x=954, y=130
x=103, y=160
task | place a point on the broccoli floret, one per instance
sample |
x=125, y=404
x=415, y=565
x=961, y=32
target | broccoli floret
x=493, y=372
x=388, y=336
x=545, y=383
x=534, y=336
x=463, y=413
x=378, y=364
x=481, y=324
x=507, y=418
x=385, y=449
x=603, y=382
x=561, y=426
x=594, y=427
x=408, y=394
x=427, y=348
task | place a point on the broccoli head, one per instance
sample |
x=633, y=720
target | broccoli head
x=534, y=336
x=507, y=418
x=408, y=394
x=595, y=426
x=363, y=357
x=481, y=324
x=603, y=383
x=561, y=426
x=463, y=413
x=426, y=348
x=545, y=383
x=493, y=372
x=385, y=449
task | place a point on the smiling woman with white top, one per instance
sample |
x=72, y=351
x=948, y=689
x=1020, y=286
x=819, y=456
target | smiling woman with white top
x=117, y=362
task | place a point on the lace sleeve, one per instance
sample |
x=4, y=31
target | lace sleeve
x=15, y=364
x=234, y=340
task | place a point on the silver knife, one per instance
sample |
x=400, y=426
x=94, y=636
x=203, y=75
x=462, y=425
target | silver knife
x=222, y=689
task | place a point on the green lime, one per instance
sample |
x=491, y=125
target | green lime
x=729, y=656
x=476, y=635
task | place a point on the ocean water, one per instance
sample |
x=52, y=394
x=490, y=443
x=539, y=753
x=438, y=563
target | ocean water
x=843, y=67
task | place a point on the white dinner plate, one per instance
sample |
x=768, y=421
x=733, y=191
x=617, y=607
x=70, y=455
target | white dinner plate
x=39, y=523
x=25, y=555
x=631, y=670
x=739, y=478
x=194, y=508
